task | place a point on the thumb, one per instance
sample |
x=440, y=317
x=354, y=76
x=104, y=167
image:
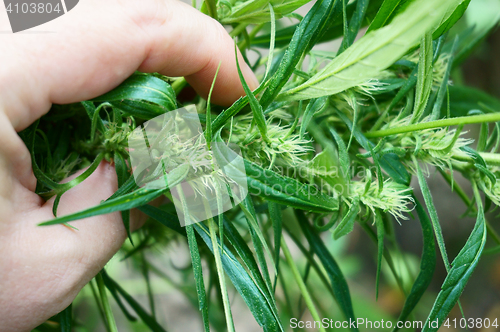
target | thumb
x=55, y=262
x=97, y=238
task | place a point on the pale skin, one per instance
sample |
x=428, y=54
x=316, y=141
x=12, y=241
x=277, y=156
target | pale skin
x=92, y=49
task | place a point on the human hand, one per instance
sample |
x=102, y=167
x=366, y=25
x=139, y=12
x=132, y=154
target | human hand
x=94, y=48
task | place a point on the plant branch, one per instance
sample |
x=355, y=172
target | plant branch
x=462, y=120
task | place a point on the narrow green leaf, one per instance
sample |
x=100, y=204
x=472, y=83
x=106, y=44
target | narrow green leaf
x=139, y=109
x=208, y=116
x=98, y=302
x=483, y=137
x=110, y=319
x=462, y=267
x=118, y=300
x=63, y=187
x=270, y=56
x=354, y=24
x=258, y=240
x=221, y=120
x=424, y=78
x=332, y=29
x=339, y=284
x=432, y=212
x=452, y=19
x=166, y=219
x=140, y=89
x=198, y=276
x=301, y=284
x=387, y=256
x=274, y=187
x=66, y=318
x=246, y=255
x=235, y=240
x=145, y=269
x=436, y=110
x=406, y=90
x=244, y=284
x=137, y=249
x=427, y=265
x=380, y=246
x=287, y=191
x=275, y=215
x=479, y=163
x=314, y=106
x=122, y=175
x=305, y=36
x=96, y=120
x=323, y=164
x=384, y=14
x=258, y=114
x=145, y=317
x=127, y=187
x=344, y=159
x=492, y=117
x=220, y=272
x=125, y=202
x=209, y=7
x=374, y=52
x=91, y=110
x=493, y=141
x=347, y=224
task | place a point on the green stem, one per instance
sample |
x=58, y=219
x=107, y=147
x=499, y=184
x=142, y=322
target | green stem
x=455, y=187
x=388, y=257
x=145, y=273
x=99, y=304
x=218, y=261
x=179, y=84
x=211, y=8
x=110, y=319
x=492, y=233
x=220, y=272
x=239, y=29
x=243, y=44
x=310, y=259
x=492, y=159
x=432, y=213
x=461, y=193
x=491, y=117
x=301, y=284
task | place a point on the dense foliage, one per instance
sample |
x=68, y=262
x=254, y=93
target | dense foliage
x=347, y=129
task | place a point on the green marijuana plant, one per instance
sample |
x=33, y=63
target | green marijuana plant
x=330, y=140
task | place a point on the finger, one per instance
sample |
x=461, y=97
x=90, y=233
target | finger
x=95, y=247
x=15, y=161
x=100, y=43
x=55, y=262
